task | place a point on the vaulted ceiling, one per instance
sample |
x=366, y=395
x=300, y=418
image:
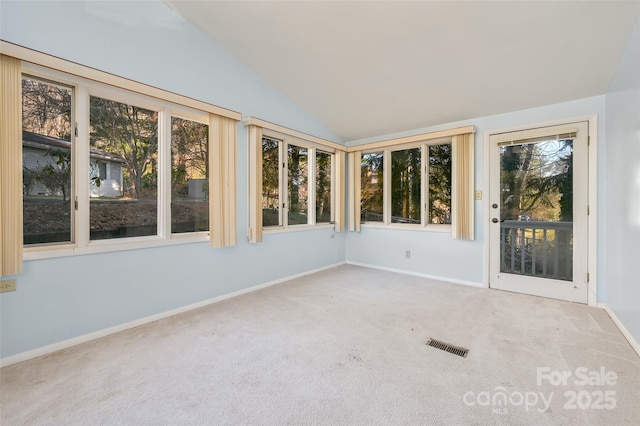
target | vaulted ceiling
x=371, y=68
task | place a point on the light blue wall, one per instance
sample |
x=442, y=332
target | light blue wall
x=623, y=188
x=438, y=254
x=58, y=299
x=62, y=298
x=148, y=42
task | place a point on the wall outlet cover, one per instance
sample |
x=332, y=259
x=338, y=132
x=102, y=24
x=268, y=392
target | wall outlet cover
x=8, y=285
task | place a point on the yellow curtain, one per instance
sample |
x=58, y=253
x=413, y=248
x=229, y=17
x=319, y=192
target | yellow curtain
x=340, y=189
x=255, y=184
x=10, y=167
x=222, y=181
x=463, y=188
x=354, y=191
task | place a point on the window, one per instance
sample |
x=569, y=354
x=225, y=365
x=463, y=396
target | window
x=189, y=176
x=298, y=185
x=271, y=182
x=126, y=134
x=291, y=177
x=423, y=181
x=440, y=184
x=47, y=165
x=406, y=186
x=419, y=184
x=296, y=181
x=372, y=177
x=102, y=170
x=108, y=162
x=323, y=186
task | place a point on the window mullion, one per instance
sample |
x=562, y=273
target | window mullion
x=81, y=170
x=74, y=166
x=311, y=186
x=424, y=192
x=164, y=173
x=284, y=178
x=333, y=187
x=386, y=187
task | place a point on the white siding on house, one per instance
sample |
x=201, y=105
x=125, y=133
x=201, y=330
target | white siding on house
x=110, y=174
x=115, y=172
x=34, y=159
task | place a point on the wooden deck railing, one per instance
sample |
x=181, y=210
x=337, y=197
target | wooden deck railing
x=540, y=249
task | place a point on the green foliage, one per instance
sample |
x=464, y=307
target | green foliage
x=564, y=183
x=54, y=175
x=46, y=110
x=205, y=189
x=94, y=173
x=297, y=179
x=371, y=179
x=189, y=155
x=270, y=217
x=130, y=132
x=29, y=179
x=179, y=174
x=323, y=187
x=405, y=185
x=150, y=180
x=270, y=175
x=440, y=183
x=537, y=181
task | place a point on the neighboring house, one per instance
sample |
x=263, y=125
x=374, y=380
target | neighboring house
x=198, y=189
x=38, y=151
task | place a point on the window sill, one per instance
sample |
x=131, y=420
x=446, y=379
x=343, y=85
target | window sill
x=296, y=228
x=107, y=246
x=405, y=227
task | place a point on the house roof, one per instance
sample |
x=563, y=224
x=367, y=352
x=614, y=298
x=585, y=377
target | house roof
x=35, y=140
x=370, y=68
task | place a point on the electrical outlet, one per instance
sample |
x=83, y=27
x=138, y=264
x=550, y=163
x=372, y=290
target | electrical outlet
x=407, y=254
x=8, y=285
x=478, y=195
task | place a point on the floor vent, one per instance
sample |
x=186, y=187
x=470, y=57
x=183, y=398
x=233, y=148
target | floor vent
x=447, y=347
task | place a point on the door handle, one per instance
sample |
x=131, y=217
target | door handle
x=495, y=220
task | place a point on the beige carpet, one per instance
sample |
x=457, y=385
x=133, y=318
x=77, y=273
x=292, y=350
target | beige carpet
x=344, y=346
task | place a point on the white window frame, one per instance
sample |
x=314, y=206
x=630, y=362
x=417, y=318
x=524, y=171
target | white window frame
x=74, y=160
x=312, y=148
x=198, y=117
x=81, y=243
x=332, y=219
x=424, y=186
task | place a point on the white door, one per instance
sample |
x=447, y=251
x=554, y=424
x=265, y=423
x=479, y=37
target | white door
x=538, y=211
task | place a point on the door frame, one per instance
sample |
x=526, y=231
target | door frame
x=592, y=285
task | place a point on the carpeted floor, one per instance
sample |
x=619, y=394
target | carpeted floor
x=343, y=346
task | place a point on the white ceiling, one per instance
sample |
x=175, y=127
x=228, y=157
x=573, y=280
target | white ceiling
x=371, y=68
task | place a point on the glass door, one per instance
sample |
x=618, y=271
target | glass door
x=539, y=212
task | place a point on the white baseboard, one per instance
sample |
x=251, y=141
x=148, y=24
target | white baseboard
x=418, y=274
x=627, y=335
x=44, y=350
x=54, y=347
